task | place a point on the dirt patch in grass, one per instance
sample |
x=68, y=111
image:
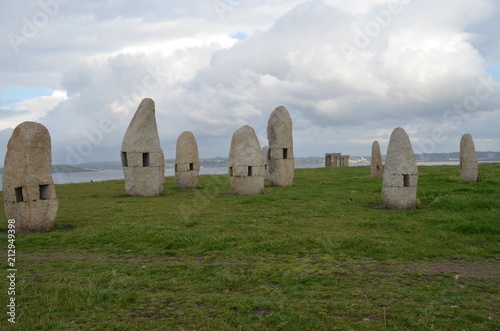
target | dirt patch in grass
x=467, y=269
x=489, y=268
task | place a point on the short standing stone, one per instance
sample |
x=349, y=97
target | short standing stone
x=281, y=161
x=187, y=161
x=399, y=185
x=28, y=189
x=265, y=155
x=246, y=165
x=142, y=157
x=468, y=159
x=376, y=168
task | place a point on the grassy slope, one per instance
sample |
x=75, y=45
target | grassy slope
x=318, y=255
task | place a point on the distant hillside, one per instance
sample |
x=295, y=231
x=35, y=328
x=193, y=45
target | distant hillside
x=59, y=168
x=222, y=162
x=485, y=156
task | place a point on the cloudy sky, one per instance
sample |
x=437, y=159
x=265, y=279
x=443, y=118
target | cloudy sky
x=348, y=72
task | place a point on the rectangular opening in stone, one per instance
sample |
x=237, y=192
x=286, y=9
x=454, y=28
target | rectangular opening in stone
x=231, y=171
x=406, y=180
x=145, y=159
x=175, y=167
x=19, y=194
x=265, y=166
x=44, y=192
x=249, y=171
x=124, y=159
x=285, y=153
x=378, y=168
x=191, y=166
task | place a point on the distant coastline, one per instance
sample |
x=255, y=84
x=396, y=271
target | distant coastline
x=217, y=162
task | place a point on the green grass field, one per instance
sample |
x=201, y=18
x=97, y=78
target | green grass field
x=320, y=255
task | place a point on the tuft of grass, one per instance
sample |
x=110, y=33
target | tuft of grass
x=319, y=255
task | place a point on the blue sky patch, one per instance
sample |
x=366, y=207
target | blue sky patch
x=11, y=97
x=239, y=35
x=495, y=73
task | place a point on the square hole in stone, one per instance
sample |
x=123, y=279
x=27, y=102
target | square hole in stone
x=44, y=192
x=191, y=166
x=406, y=180
x=231, y=171
x=285, y=153
x=145, y=159
x=19, y=194
x=249, y=171
x=124, y=159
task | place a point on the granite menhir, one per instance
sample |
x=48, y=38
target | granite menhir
x=399, y=185
x=187, y=161
x=280, y=159
x=142, y=157
x=468, y=160
x=28, y=189
x=376, y=167
x=246, y=165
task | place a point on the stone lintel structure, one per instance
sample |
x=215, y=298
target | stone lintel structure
x=187, y=161
x=400, y=178
x=336, y=160
x=468, y=160
x=246, y=165
x=280, y=160
x=376, y=167
x=28, y=188
x=265, y=154
x=141, y=154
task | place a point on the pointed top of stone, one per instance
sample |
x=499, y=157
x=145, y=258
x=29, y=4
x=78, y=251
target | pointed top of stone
x=142, y=132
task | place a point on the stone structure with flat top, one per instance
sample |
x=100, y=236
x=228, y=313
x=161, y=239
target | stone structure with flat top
x=336, y=160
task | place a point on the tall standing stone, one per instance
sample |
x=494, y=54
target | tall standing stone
x=265, y=155
x=399, y=185
x=28, y=189
x=281, y=161
x=187, y=161
x=142, y=157
x=468, y=159
x=376, y=168
x=246, y=165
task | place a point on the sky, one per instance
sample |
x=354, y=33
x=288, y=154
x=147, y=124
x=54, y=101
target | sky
x=349, y=72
